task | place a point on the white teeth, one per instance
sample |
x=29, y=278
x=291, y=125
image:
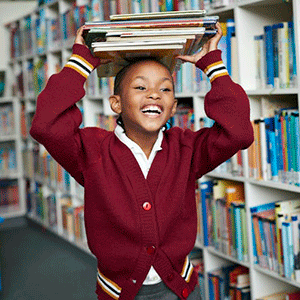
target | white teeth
x=152, y=109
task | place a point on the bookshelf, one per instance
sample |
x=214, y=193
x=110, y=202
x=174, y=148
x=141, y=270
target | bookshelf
x=47, y=193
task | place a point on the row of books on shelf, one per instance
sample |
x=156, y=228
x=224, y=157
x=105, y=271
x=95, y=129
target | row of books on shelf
x=142, y=6
x=222, y=217
x=9, y=193
x=276, y=56
x=40, y=164
x=40, y=32
x=64, y=25
x=7, y=121
x=231, y=282
x=276, y=235
x=275, y=153
x=36, y=75
x=8, y=159
x=48, y=208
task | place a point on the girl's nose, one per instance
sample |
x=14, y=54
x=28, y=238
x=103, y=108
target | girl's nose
x=153, y=94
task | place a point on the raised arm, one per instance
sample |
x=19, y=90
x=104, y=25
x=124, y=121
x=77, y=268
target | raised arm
x=227, y=104
x=57, y=119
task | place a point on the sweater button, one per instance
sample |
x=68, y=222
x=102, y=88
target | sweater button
x=151, y=250
x=147, y=206
x=185, y=293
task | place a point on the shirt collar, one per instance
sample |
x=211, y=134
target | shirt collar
x=120, y=133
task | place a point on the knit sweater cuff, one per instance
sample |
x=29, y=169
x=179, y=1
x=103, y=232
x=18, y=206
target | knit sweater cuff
x=82, y=60
x=212, y=65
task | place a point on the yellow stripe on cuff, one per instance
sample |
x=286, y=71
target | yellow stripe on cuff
x=76, y=69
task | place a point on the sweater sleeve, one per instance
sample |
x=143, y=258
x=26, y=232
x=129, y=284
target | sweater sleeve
x=57, y=118
x=228, y=105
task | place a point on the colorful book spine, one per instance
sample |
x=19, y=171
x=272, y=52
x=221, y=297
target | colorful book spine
x=292, y=55
x=269, y=56
x=230, y=32
x=274, y=155
x=275, y=56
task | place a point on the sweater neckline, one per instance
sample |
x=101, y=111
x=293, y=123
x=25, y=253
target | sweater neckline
x=142, y=186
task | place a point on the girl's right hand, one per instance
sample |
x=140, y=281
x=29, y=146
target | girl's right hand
x=80, y=40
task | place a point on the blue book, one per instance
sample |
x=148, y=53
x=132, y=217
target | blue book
x=269, y=125
x=273, y=155
x=230, y=25
x=285, y=246
x=292, y=54
x=169, y=5
x=262, y=207
x=206, y=189
x=211, y=290
x=297, y=143
x=238, y=229
x=288, y=146
x=269, y=55
x=254, y=244
x=277, y=124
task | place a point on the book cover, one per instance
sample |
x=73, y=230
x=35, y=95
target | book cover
x=121, y=57
x=160, y=15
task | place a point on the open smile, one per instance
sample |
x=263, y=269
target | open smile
x=152, y=110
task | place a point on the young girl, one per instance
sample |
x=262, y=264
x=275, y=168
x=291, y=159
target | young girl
x=140, y=209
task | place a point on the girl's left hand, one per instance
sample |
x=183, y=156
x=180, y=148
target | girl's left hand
x=210, y=45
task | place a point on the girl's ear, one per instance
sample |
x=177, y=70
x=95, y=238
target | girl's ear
x=174, y=108
x=115, y=103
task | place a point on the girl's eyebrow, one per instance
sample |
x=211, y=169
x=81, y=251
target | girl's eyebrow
x=144, y=78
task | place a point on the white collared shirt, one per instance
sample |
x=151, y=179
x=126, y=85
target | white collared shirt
x=145, y=164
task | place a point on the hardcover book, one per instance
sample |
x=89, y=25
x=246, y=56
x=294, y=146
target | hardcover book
x=162, y=35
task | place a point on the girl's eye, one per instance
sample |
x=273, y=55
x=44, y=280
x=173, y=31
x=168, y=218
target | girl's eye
x=140, y=88
x=166, y=90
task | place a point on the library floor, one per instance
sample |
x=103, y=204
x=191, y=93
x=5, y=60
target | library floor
x=37, y=265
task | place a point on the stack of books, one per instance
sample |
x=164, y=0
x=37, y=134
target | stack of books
x=163, y=35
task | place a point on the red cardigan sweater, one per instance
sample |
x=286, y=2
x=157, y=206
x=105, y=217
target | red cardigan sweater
x=133, y=222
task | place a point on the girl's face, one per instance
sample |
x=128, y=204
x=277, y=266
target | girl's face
x=146, y=101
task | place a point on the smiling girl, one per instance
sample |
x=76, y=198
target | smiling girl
x=140, y=208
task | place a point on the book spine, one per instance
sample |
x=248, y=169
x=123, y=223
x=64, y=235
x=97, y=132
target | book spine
x=284, y=234
x=230, y=32
x=269, y=56
x=292, y=55
x=275, y=54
